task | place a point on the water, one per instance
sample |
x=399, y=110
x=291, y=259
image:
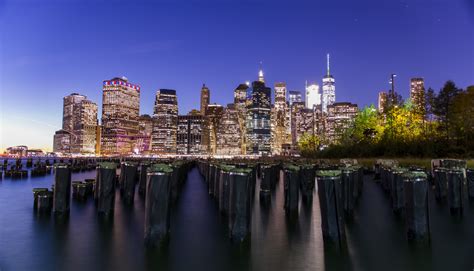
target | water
x=375, y=239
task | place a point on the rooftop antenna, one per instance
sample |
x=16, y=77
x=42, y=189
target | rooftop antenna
x=328, y=64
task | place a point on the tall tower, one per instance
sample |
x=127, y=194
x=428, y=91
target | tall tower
x=165, y=122
x=329, y=89
x=120, y=112
x=240, y=103
x=205, y=98
x=71, y=102
x=417, y=96
x=278, y=115
x=294, y=97
x=79, y=125
x=313, y=97
x=280, y=96
x=258, y=136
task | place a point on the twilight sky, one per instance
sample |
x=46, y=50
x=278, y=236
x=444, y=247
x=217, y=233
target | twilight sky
x=50, y=48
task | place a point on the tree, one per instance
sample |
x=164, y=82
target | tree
x=366, y=127
x=462, y=118
x=309, y=144
x=430, y=103
x=443, y=106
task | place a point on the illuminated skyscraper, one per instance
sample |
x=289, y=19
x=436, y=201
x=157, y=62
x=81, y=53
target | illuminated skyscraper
x=193, y=134
x=294, y=97
x=62, y=142
x=298, y=115
x=165, y=122
x=142, y=141
x=280, y=96
x=71, y=102
x=258, y=119
x=417, y=96
x=278, y=119
x=313, y=97
x=214, y=113
x=79, y=126
x=84, y=128
x=339, y=118
x=329, y=89
x=382, y=100
x=120, y=110
x=228, y=132
x=240, y=103
x=205, y=98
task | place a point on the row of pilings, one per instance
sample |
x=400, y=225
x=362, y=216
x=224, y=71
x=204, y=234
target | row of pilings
x=233, y=184
x=16, y=169
x=158, y=183
x=409, y=188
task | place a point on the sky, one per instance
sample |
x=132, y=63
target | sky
x=51, y=48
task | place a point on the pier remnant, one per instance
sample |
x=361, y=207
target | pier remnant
x=62, y=189
x=128, y=175
x=158, y=205
x=331, y=205
x=106, y=187
x=239, y=207
x=415, y=188
x=455, y=190
x=470, y=183
x=143, y=178
x=292, y=184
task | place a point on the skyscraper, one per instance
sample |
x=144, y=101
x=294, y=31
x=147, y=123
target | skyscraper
x=329, y=89
x=62, y=142
x=298, y=116
x=84, y=128
x=417, y=96
x=313, y=97
x=278, y=119
x=193, y=134
x=214, y=113
x=280, y=96
x=240, y=103
x=382, y=101
x=294, y=97
x=205, y=98
x=258, y=119
x=69, y=103
x=228, y=132
x=120, y=111
x=79, y=126
x=165, y=122
x=340, y=116
x=142, y=141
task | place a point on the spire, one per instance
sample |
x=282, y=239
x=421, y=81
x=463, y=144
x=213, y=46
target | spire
x=260, y=74
x=328, y=64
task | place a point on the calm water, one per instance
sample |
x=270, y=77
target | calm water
x=375, y=239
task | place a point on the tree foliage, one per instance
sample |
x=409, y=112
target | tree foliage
x=445, y=127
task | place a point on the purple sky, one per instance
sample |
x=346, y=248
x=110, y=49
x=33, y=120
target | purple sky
x=49, y=49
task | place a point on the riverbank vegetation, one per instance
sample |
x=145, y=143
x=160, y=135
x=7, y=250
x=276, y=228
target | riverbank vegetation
x=432, y=125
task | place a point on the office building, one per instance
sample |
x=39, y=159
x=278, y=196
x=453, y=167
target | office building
x=165, y=122
x=120, y=112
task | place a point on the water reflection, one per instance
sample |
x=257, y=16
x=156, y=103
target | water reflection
x=376, y=238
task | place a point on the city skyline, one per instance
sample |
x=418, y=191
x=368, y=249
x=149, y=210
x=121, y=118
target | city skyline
x=364, y=42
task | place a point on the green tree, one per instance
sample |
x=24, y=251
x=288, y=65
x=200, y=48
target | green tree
x=366, y=127
x=309, y=144
x=462, y=118
x=444, y=106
